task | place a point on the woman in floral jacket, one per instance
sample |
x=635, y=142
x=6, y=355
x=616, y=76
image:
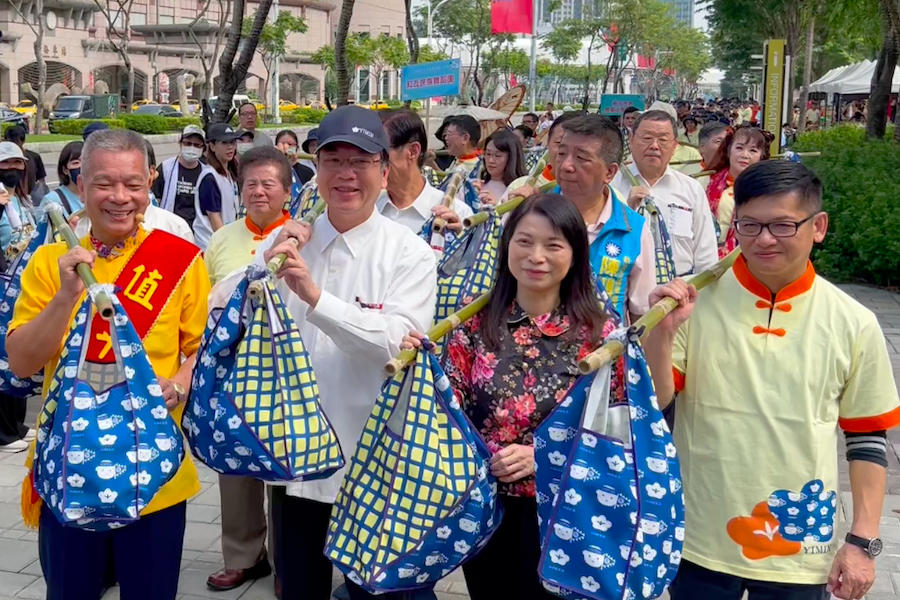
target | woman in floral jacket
x=513, y=362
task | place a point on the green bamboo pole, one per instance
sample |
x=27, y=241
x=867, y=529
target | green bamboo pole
x=612, y=349
x=440, y=329
x=102, y=300
x=277, y=261
x=457, y=178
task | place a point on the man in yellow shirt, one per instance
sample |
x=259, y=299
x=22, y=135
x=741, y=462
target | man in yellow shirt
x=114, y=184
x=773, y=361
x=265, y=181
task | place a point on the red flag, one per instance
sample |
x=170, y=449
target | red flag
x=512, y=16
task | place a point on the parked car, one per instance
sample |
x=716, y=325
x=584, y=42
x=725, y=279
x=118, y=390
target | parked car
x=141, y=103
x=284, y=105
x=9, y=115
x=236, y=101
x=26, y=107
x=98, y=106
x=194, y=105
x=160, y=110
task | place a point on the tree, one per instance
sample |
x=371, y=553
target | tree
x=884, y=73
x=412, y=36
x=812, y=12
x=342, y=67
x=428, y=54
x=221, y=24
x=383, y=52
x=118, y=33
x=37, y=29
x=357, y=56
x=273, y=40
x=232, y=73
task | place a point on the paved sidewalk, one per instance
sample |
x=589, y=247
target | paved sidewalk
x=20, y=571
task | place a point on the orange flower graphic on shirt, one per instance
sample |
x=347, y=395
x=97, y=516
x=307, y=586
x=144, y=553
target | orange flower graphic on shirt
x=758, y=535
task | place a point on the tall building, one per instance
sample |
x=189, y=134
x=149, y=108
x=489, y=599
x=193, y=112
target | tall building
x=166, y=41
x=570, y=9
x=682, y=10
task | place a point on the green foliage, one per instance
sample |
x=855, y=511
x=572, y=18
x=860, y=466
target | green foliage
x=303, y=115
x=76, y=126
x=146, y=124
x=861, y=193
x=428, y=54
x=273, y=39
x=179, y=123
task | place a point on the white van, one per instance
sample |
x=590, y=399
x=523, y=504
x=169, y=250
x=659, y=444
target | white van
x=236, y=101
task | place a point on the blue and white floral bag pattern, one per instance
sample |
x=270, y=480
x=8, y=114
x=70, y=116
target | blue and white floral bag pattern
x=418, y=499
x=608, y=483
x=106, y=442
x=11, y=284
x=254, y=405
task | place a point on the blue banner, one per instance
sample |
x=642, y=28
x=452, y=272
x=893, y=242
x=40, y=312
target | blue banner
x=432, y=79
x=613, y=105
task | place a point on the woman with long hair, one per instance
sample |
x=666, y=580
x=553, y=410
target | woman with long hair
x=741, y=148
x=216, y=198
x=513, y=362
x=504, y=162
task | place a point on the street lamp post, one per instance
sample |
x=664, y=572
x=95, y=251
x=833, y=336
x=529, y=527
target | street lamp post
x=431, y=12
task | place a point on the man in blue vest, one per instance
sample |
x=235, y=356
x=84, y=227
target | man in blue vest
x=621, y=242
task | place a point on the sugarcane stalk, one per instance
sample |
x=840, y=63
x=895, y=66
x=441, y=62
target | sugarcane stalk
x=440, y=329
x=512, y=203
x=457, y=178
x=274, y=265
x=102, y=300
x=614, y=348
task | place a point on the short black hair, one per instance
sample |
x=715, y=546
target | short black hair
x=774, y=177
x=267, y=155
x=711, y=129
x=15, y=134
x=603, y=130
x=656, y=116
x=466, y=124
x=630, y=110
x=562, y=119
x=530, y=114
x=241, y=107
x=527, y=131
x=403, y=126
x=70, y=152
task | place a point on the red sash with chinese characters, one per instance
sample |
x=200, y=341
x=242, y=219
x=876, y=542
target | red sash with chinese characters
x=144, y=287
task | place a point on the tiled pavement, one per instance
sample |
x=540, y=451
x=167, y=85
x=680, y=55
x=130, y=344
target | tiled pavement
x=20, y=571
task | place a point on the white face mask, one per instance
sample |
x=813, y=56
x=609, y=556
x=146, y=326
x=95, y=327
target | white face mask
x=191, y=154
x=242, y=147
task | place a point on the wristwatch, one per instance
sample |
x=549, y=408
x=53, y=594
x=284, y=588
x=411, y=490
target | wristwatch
x=872, y=547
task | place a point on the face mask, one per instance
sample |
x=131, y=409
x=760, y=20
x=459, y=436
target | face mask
x=291, y=152
x=243, y=147
x=74, y=174
x=190, y=153
x=10, y=177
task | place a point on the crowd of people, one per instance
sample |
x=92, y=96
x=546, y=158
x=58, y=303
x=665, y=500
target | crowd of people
x=758, y=373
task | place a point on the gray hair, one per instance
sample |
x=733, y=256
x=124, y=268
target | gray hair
x=113, y=140
x=656, y=116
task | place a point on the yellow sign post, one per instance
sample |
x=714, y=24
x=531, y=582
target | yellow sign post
x=774, y=90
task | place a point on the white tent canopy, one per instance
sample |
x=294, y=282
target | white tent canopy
x=851, y=79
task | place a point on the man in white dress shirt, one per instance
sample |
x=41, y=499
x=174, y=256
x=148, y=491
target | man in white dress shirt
x=358, y=283
x=409, y=199
x=680, y=199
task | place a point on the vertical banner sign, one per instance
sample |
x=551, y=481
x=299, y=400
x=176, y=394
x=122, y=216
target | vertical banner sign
x=428, y=80
x=512, y=16
x=773, y=91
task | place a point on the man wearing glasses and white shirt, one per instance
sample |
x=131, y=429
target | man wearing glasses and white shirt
x=358, y=283
x=681, y=201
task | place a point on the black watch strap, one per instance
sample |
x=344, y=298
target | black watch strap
x=872, y=547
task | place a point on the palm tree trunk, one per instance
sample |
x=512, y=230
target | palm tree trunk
x=342, y=66
x=232, y=73
x=807, y=68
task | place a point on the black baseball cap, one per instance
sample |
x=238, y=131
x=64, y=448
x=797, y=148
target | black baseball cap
x=354, y=125
x=222, y=132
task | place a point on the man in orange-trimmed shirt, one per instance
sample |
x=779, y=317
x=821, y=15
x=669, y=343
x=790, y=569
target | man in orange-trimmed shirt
x=115, y=184
x=772, y=363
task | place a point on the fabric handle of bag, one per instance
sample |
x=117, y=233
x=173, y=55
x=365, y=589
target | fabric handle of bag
x=401, y=405
x=276, y=326
x=599, y=416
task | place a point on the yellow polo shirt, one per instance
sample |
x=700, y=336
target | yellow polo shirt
x=234, y=246
x=766, y=382
x=183, y=319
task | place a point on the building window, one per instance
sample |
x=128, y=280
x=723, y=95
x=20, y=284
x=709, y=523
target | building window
x=138, y=19
x=166, y=20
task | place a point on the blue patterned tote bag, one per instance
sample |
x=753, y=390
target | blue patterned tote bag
x=11, y=284
x=468, y=267
x=254, y=404
x=304, y=200
x=106, y=442
x=418, y=499
x=662, y=242
x=608, y=481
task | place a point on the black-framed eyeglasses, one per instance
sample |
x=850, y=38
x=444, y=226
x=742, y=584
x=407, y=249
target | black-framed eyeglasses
x=779, y=229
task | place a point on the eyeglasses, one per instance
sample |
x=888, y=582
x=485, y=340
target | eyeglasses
x=779, y=229
x=360, y=164
x=647, y=140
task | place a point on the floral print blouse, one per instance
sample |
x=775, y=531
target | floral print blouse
x=507, y=393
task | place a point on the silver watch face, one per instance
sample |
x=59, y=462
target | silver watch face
x=875, y=547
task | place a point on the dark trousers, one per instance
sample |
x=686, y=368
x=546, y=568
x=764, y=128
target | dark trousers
x=507, y=566
x=147, y=557
x=12, y=418
x=693, y=582
x=301, y=527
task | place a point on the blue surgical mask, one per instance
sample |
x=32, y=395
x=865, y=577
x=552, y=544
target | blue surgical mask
x=74, y=173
